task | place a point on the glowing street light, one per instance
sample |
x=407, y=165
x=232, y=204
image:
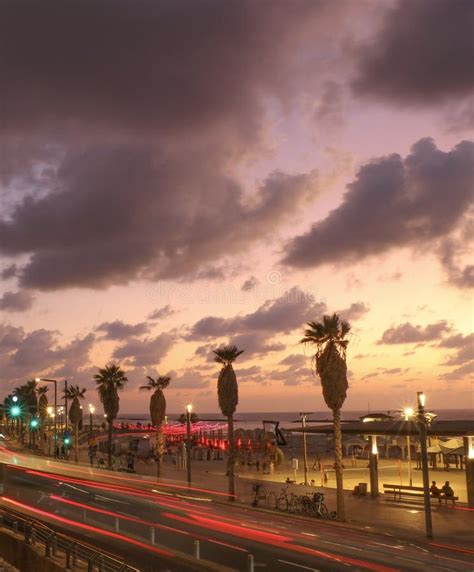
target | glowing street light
x=422, y=423
x=91, y=454
x=408, y=413
x=189, y=409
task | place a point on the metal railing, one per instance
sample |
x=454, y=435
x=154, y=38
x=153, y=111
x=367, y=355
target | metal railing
x=54, y=543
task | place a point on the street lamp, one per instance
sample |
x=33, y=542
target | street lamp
x=38, y=379
x=91, y=413
x=422, y=423
x=189, y=409
x=303, y=417
x=408, y=413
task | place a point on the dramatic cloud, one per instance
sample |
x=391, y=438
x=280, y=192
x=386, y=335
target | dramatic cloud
x=393, y=202
x=249, y=284
x=138, y=352
x=280, y=315
x=9, y=272
x=95, y=230
x=409, y=334
x=354, y=312
x=161, y=313
x=295, y=360
x=119, y=330
x=128, y=144
x=26, y=355
x=464, y=346
x=16, y=301
x=422, y=53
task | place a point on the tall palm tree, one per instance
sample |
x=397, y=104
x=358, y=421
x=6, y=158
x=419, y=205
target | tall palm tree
x=228, y=395
x=42, y=408
x=329, y=338
x=109, y=381
x=157, y=412
x=75, y=393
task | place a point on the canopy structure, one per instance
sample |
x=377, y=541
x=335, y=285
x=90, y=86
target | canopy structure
x=438, y=428
x=461, y=441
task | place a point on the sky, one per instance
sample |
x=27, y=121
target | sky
x=180, y=174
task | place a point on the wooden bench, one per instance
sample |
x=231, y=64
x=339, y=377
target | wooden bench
x=413, y=493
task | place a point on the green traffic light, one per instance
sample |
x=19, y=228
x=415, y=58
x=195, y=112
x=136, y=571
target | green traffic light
x=34, y=423
x=67, y=441
x=15, y=411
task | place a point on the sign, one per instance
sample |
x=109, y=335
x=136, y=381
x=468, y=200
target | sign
x=273, y=428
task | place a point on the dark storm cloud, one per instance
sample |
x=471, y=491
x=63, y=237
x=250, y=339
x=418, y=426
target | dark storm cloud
x=128, y=121
x=16, y=301
x=26, y=355
x=118, y=330
x=409, y=334
x=422, y=54
x=120, y=213
x=393, y=202
x=9, y=272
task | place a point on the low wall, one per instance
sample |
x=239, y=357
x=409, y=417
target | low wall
x=16, y=552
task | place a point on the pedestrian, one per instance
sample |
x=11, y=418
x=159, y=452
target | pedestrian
x=434, y=491
x=447, y=490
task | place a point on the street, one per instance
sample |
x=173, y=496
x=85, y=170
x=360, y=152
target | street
x=125, y=506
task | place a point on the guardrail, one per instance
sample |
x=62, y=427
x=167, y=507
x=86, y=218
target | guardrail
x=54, y=543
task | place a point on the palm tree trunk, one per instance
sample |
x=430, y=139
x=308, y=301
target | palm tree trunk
x=341, y=513
x=159, y=449
x=231, y=459
x=109, y=445
x=76, y=442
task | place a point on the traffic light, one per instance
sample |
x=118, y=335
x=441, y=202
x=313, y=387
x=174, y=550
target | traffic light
x=15, y=410
x=67, y=440
x=34, y=423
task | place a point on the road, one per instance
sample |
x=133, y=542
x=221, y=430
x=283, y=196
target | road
x=91, y=502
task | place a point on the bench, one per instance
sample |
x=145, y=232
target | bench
x=413, y=493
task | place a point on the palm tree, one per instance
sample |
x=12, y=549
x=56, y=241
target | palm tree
x=75, y=393
x=157, y=412
x=228, y=395
x=329, y=338
x=109, y=381
x=42, y=408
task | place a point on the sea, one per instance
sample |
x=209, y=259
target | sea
x=249, y=421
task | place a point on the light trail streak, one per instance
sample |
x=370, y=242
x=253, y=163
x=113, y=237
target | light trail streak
x=89, y=528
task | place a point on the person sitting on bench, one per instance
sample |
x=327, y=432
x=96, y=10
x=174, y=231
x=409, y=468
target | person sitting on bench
x=434, y=491
x=447, y=492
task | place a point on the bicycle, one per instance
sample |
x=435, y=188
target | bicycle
x=314, y=506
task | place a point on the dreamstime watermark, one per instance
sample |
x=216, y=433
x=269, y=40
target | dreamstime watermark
x=271, y=289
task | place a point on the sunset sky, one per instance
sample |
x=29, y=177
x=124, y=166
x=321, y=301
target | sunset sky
x=177, y=174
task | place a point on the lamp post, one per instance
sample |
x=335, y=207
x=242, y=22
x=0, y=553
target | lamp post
x=303, y=417
x=421, y=418
x=91, y=412
x=408, y=413
x=50, y=412
x=38, y=379
x=189, y=409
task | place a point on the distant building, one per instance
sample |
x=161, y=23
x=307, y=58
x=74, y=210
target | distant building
x=376, y=417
